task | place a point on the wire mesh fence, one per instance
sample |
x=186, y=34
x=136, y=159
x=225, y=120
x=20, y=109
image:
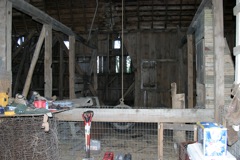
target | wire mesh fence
x=141, y=140
x=22, y=138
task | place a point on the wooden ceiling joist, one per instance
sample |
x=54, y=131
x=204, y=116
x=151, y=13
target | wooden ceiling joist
x=44, y=18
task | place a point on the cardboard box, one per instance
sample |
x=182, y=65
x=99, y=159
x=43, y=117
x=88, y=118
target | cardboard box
x=213, y=138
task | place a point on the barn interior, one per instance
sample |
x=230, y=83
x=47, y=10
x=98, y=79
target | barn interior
x=149, y=70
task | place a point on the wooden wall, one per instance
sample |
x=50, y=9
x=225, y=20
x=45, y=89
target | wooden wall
x=158, y=47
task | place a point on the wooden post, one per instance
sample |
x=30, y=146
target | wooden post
x=34, y=61
x=71, y=67
x=160, y=141
x=190, y=70
x=61, y=71
x=5, y=46
x=219, y=57
x=48, y=62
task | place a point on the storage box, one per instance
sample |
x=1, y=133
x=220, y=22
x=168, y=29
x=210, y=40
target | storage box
x=194, y=151
x=213, y=138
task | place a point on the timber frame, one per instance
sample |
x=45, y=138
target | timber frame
x=159, y=116
x=173, y=115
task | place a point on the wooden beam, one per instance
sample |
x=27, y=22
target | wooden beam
x=48, y=62
x=44, y=18
x=34, y=62
x=140, y=115
x=5, y=46
x=219, y=58
x=190, y=50
x=72, y=67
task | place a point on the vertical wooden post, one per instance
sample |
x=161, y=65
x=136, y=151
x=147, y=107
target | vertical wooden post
x=48, y=62
x=34, y=61
x=195, y=133
x=219, y=57
x=190, y=70
x=160, y=141
x=61, y=71
x=71, y=67
x=5, y=46
x=138, y=95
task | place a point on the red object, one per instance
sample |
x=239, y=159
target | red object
x=40, y=103
x=87, y=117
x=108, y=156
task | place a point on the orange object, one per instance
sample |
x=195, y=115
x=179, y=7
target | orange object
x=40, y=104
x=3, y=99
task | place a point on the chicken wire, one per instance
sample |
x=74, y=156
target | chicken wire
x=141, y=141
x=22, y=138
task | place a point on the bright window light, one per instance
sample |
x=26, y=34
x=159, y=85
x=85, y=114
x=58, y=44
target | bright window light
x=117, y=44
x=66, y=44
x=20, y=40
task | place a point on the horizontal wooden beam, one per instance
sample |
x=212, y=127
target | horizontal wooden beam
x=140, y=115
x=44, y=18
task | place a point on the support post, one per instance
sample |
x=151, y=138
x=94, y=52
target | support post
x=71, y=67
x=48, y=62
x=190, y=50
x=219, y=58
x=160, y=141
x=5, y=46
x=61, y=71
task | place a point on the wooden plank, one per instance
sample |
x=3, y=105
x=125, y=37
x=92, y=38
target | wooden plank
x=33, y=62
x=43, y=18
x=219, y=57
x=160, y=141
x=190, y=70
x=179, y=127
x=48, y=62
x=141, y=115
x=72, y=67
